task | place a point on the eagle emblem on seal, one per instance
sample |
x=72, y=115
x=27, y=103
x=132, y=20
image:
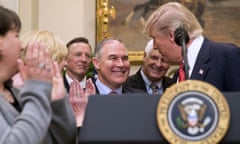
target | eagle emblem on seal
x=193, y=119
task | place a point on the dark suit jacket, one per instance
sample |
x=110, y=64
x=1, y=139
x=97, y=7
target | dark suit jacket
x=136, y=81
x=67, y=86
x=219, y=65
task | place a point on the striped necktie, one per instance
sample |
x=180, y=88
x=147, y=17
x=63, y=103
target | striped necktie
x=154, y=88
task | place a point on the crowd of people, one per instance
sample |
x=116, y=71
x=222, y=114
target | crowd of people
x=45, y=88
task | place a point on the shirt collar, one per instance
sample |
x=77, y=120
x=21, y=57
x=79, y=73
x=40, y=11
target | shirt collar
x=103, y=89
x=148, y=82
x=82, y=82
x=193, y=51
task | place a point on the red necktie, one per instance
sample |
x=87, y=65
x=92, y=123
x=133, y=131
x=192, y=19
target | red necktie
x=181, y=72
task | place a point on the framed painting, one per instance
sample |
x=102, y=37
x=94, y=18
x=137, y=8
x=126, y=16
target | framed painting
x=219, y=18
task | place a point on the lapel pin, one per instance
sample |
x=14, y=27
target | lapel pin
x=201, y=72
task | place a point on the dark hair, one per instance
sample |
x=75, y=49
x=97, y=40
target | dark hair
x=9, y=20
x=77, y=40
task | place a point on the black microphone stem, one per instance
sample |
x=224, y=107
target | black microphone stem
x=185, y=58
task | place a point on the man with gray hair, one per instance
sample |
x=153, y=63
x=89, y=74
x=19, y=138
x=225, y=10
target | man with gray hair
x=112, y=66
x=151, y=76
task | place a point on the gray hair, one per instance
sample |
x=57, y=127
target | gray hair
x=100, y=45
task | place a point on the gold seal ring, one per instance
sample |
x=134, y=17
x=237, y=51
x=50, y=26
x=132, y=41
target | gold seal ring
x=193, y=112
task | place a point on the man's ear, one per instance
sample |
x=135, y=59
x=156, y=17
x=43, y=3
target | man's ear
x=64, y=62
x=172, y=36
x=144, y=55
x=0, y=47
x=95, y=62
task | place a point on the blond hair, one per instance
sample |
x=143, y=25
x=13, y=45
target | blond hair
x=172, y=15
x=53, y=43
x=149, y=47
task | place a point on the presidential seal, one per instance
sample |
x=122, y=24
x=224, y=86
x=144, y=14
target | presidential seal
x=193, y=112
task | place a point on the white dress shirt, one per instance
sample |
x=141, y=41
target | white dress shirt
x=82, y=82
x=193, y=51
x=105, y=90
x=148, y=83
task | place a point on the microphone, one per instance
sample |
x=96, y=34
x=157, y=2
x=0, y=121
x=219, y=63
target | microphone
x=181, y=38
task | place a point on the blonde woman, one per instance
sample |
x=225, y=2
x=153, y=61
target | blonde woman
x=39, y=113
x=53, y=44
x=58, y=52
x=63, y=123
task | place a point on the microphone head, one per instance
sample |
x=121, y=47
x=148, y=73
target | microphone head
x=180, y=36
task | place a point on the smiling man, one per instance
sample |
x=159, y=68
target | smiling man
x=112, y=66
x=151, y=76
x=77, y=61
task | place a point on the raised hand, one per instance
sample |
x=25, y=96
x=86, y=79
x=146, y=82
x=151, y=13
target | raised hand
x=37, y=65
x=58, y=90
x=79, y=98
x=78, y=101
x=90, y=88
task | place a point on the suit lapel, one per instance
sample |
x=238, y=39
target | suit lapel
x=201, y=66
x=139, y=81
x=66, y=83
x=167, y=82
x=94, y=82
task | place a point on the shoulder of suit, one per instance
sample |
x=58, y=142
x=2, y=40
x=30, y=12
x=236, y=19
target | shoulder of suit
x=127, y=89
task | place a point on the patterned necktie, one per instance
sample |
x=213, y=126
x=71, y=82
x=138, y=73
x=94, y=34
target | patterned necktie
x=154, y=88
x=181, y=73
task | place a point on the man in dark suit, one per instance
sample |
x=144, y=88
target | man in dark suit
x=152, y=73
x=75, y=80
x=212, y=62
x=112, y=66
x=77, y=61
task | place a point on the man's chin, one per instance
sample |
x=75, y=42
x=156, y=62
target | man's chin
x=156, y=77
x=157, y=74
x=82, y=72
x=120, y=80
